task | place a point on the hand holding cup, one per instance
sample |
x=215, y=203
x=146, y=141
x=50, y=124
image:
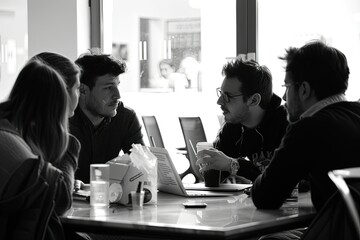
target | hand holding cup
x=211, y=176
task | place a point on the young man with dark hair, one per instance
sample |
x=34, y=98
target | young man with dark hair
x=255, y=121
x=103, y=125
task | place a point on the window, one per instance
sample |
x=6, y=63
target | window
x=173, y=33
x=283, y=23
x=13, y=42
x=195, y=36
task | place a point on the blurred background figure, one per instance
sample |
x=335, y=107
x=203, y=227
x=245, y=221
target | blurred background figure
x=191, y=68
x=169, y=78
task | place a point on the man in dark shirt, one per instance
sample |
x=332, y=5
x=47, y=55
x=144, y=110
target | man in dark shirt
x=324, y=133
x=102, y=124
x=255, y=121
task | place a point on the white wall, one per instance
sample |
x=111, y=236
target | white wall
x=13, y=41
x=53, y=26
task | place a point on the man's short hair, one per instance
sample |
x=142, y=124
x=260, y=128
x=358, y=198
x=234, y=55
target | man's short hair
x=95, y=64
x=325, y=68
x=254, y=78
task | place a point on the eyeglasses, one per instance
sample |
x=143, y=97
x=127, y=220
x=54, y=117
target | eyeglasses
x=226, y=96
x=287, y=85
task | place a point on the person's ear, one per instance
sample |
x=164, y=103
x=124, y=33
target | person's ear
x=305, y=90
x=83, y=89
x=254, y=100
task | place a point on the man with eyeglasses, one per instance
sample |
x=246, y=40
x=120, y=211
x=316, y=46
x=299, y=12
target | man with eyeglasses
x=255, y=122
x=323, y=135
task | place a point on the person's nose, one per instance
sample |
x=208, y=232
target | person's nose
x=220, y=101
x=116, y=94
x=284, y=97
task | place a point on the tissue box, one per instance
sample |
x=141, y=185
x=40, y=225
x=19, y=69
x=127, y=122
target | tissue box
x=124, y=178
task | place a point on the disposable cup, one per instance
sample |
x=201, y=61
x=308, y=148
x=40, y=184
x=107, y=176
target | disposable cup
x=212, y=176
x=99, y=185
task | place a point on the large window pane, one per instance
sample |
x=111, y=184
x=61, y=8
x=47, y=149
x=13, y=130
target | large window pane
x=197, y=36
x=284, y=23
x=13, y=42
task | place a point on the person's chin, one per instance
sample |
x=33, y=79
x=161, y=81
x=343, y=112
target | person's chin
x=113, y=113
x=227, y=118
x=109, y=113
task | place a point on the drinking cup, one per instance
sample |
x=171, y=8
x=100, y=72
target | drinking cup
x=99, y=185
x=212, y=176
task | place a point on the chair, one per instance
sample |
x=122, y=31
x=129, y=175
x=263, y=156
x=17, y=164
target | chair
x=153, y=131
x=337, y=176
x=193, y=132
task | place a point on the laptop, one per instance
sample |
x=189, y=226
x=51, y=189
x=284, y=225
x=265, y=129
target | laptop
x=169, y=180
x=223, y=187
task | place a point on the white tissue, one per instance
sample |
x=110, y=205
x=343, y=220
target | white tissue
x=142, y=158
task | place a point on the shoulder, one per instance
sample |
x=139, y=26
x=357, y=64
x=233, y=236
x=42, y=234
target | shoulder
x=345, y=106
x=279, y=111
x=341, y=111
x=8, y=128
x=276, y=109
x=12, y=144
x=275, y=117
x=229, y=129
x=126, y=109
x=125, y=112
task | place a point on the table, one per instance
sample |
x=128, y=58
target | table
x=232, y=217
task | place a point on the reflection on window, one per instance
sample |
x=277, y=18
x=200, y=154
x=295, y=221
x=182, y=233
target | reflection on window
x=175, y=45
x=167, y=55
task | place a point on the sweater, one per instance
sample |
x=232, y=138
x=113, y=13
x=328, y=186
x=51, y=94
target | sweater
x=104, y=143
x=32, y=191
x=311, y=147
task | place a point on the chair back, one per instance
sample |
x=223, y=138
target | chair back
x=153, y=131
x=193, y=132
x=338, y=176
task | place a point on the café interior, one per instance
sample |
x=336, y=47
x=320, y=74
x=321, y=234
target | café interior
x=199, y=37
x=209, y=33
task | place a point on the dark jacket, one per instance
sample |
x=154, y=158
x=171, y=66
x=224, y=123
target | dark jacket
x=257, y=144
x=333, y=222
x=311, y=147
x=107, y=140
x=32, y=192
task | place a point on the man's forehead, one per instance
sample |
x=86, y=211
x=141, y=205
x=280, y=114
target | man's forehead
x=231, y=84
x=107, y=79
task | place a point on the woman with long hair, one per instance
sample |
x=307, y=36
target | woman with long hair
x=34, y=134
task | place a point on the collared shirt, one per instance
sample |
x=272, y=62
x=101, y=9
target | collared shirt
x=323, y=103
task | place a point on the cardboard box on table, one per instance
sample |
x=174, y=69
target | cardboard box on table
x=124, y=178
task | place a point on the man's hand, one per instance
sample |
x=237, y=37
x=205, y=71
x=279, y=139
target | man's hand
x=213, y=159
x=79, y=185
